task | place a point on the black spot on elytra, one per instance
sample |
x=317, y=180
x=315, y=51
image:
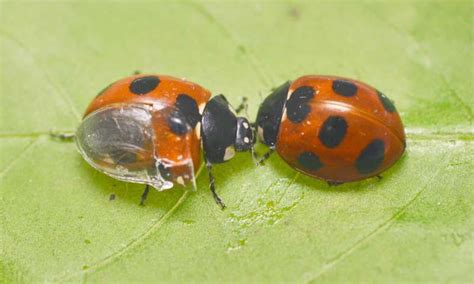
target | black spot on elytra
x=178, y=122
x=371, y=157
x=310, y=161
x=386, y=102
x=297, y=106
x=189, y=108
x=333, y=131
x=144, y=85
x=344, y=88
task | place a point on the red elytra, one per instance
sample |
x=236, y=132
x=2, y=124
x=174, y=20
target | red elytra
x=161, y=90
x=332, y=128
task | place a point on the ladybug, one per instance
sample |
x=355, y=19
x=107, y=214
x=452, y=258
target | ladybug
x=332, y=128
x=149, y=129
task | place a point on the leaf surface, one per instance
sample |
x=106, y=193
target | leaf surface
x=60, y=220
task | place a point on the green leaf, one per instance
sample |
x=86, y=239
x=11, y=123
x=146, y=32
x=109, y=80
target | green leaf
x=59, y=223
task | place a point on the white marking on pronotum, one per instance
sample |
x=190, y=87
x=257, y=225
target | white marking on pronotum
x=197, y=130
x=246, y=140
x=284, y=116
x=290, y=92
x=260, y=133
x=246, y=125
x=180, y=180
x=201, y=107
x=229, y=153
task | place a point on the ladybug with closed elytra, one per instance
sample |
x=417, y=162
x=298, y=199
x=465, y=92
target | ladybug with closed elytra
x=332, y=128
x=149, y=129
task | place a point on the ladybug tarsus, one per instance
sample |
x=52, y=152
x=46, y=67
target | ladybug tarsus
x=144, y=195
x=265, y=157
x=63, y=136
x=379, y=177
x=212, y=186
x=242, y=106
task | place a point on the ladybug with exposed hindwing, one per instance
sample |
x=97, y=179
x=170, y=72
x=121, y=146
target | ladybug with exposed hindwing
x=149, y=129
x=332, y=128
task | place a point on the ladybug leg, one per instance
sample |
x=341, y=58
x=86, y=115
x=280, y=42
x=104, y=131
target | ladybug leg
x=255, y=157
x=212, y=186
x=265, y=157
x=137, y=72
x=379, y=177
x=144, y=195
x=62, y=136
x=242, y=106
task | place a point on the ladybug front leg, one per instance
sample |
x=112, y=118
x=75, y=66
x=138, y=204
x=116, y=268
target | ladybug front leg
x=265, y=157
x=212, y=186
x=242, y=106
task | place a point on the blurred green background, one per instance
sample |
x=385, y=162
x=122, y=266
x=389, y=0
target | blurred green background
x=57, y=223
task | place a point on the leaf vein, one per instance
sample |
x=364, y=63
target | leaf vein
x=252, y=60
x=46, y=75
x=380, y=228
x=132, y=244
x=19, y=157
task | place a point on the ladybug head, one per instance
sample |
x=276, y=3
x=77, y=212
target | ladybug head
x=223, y=133
x=244, y=138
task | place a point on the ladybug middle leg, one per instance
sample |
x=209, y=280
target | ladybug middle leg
x=212, y=187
